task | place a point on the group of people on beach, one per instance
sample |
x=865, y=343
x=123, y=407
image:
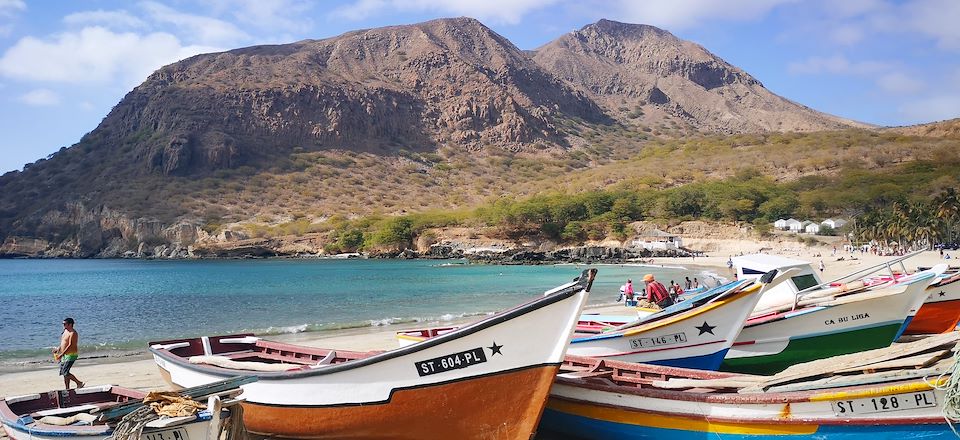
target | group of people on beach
x=654, y=292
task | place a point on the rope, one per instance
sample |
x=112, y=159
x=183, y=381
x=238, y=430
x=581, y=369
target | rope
x=234, y=427
x=949, y=383
x=156, y=405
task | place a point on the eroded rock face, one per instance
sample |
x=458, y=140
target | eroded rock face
x=449, y=80
x=649, y=68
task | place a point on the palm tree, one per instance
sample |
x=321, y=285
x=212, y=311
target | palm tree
x=948, y=209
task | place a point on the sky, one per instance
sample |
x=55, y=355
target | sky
x=65, y=64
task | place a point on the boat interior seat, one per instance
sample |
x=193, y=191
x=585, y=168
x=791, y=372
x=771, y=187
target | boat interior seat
x=327, y=360
x=225, y=362
x=80, y=418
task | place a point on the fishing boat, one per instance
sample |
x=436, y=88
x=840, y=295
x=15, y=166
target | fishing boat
x=485, y=380
x=805, y=319
x=93, y=413
x=604, y=399
x=694, y=334
x=940, y=312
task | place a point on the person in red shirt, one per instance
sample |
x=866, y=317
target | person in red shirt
x=656, y=292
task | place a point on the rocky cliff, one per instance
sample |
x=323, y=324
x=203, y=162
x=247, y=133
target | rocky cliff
x=450, y=81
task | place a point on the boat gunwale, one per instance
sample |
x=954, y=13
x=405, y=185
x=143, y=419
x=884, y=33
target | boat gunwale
x=582, y=284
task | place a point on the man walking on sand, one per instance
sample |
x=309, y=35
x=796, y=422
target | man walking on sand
x=67, y=353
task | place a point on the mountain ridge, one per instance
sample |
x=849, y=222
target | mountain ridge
x=641, y=66
x=442, y=114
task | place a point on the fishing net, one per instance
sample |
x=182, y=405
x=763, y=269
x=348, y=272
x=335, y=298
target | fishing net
x=157, y=404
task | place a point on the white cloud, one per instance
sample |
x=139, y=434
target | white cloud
x=847, y=35
x=112, y=19
x=498, y=11
x=40, y=98
x=206, y=30
x=9, y=8
x=360, y=9
x=837, y=64
x=94, y=55
x=935, y=18
x=680, y=14
x=271, y=15
x=853, y=8
x=896, y=82
x=935, y=108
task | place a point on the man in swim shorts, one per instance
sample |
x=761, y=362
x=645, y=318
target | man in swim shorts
x=67, y=353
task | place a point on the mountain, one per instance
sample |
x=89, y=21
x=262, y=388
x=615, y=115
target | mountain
x=646, y=73
x=418, y=86
x=444, y=114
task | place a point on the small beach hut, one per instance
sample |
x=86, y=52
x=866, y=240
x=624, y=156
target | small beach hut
x=812, y=228
x=791, y=224
x=798, y=226
x=835, y=224
x=780, y=224
x=657, y=240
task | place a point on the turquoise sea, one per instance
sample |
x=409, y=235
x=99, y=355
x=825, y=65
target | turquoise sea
x=120, y=305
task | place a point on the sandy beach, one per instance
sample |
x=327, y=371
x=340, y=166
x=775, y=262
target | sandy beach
x=139, y=371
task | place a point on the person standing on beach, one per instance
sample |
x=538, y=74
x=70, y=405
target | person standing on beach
x=67, y=353
x=821, y=266
x=696, y=283
x=628, y=293
x=689, y=283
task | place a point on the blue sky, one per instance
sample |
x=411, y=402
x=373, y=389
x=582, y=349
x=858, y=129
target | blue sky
x=65, y=64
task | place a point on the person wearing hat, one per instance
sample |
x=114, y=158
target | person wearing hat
x=656, y=292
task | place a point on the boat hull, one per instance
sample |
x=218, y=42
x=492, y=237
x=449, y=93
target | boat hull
x=587, y=423
x=822, y=331
x=497, y=412
x=583, y=410
x=805, y=349
x=940, y=313
x=198, y=430
x=698, y=338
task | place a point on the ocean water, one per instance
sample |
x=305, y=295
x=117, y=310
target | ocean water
x=120, y=305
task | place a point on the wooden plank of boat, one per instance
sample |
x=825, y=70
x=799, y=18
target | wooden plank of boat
x=868, y=357
x=854, y=380
x=918, y=361
x=828, y=366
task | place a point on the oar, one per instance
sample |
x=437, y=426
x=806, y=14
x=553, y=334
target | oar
x=193, y=393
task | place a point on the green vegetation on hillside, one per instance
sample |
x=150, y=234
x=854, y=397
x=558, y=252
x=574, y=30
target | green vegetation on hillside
x=891, y=205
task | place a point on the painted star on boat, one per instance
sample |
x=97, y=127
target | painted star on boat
x=706, y=328
x=495, y=349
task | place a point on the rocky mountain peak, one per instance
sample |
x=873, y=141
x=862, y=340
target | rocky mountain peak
x=637, y=66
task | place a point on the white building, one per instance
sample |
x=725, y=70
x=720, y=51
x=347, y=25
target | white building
x=791, y=224
x=799, y=226
x=812, y=228
x=835, y=224
x=657, y=240
x=780, y=224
